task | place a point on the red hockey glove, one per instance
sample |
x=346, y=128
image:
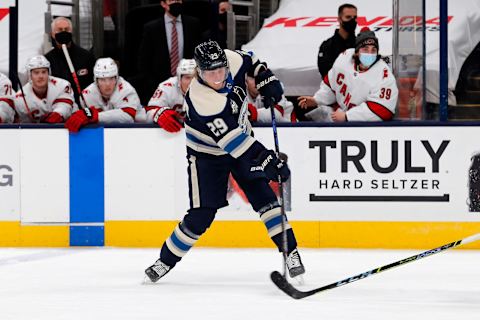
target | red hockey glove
x=169, y=119
x=253, y=113
x=81, y=118
x=52, y=117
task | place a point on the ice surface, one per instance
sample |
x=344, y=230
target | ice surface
x=106, y=283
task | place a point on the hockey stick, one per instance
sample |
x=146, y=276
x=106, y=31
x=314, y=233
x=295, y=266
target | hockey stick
x=281, y=282
x=74, y=75
x=30, y=115
x=280, y=189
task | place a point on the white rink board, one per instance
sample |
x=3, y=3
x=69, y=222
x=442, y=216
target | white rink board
x=451, y=178
x=45, y=191
x=140, y=177
x=10, y=175
x=146, y=176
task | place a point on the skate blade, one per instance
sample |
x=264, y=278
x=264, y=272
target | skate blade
x=299, y=280
x=147, y=281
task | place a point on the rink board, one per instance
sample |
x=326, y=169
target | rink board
x=351, y=187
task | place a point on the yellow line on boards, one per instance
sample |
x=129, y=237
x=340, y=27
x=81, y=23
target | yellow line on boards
x=310, y=234
x=13, y=234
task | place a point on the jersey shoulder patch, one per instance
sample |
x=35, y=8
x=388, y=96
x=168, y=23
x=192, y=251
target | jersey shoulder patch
x=59, y=82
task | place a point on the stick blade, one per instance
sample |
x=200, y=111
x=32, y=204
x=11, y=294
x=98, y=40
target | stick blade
x=286, y=287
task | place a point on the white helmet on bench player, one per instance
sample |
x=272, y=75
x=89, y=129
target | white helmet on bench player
x=105, y=68
x=37, y=62
x=186, y=66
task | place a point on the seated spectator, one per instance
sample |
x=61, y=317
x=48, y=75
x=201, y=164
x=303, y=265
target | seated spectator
x=110, y=98
x=165, y=42
x=82, y=59
x=359, y=87
x=284, y=110
x=166, y=105
x=7, y=107
x=44, y=98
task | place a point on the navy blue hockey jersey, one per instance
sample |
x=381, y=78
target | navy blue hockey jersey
x=216, y=122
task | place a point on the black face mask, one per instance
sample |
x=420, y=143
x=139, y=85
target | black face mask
x=350, y=25
x=63, y=37
x=176, y=9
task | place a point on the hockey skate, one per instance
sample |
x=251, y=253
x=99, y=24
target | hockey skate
x=295, y=266
x=156, y=271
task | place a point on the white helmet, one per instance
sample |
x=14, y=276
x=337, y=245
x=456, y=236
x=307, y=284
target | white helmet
x=105, y=68
x=186, y=66
x=37, y=62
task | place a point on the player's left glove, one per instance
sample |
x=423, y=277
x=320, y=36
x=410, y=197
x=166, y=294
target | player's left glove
x=271, y=165
x=52, y=117
x=269, y=87
x=81, y=118
x=169, y=119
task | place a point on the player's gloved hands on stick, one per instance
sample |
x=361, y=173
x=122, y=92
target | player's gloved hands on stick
x=272, y=166
x=269, y=87
x=52, y=117
x=82, y=118
x=169, y=119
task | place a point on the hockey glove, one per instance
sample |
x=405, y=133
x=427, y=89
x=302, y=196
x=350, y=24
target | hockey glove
x=269, y=87
x=169, y=119
x=52, y=117
x=271, y=165
x=82, y=118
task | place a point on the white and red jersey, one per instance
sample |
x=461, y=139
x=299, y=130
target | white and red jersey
x=7, y=97
x=168, y=95
x=59, y=98
x=257, y=113
x=121, y=107
x=369, y=95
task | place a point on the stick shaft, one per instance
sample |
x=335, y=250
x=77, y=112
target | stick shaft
x=74, y=75
x=281, y=196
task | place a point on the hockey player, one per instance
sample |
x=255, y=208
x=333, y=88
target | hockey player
x=7, y=97
x=284, y=111
x=220, y=142
x=47, y=99
x=360, y=86
x=166, y=105
x=110, y=99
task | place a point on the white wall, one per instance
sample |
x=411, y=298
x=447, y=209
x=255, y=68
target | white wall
x=145, y=174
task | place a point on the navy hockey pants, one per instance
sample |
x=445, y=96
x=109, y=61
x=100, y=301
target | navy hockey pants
x=208, y=183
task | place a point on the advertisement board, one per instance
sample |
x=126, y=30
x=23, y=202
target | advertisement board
x=408, y=186
x=381, y=174
x=9, y=175
x=338, y=174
